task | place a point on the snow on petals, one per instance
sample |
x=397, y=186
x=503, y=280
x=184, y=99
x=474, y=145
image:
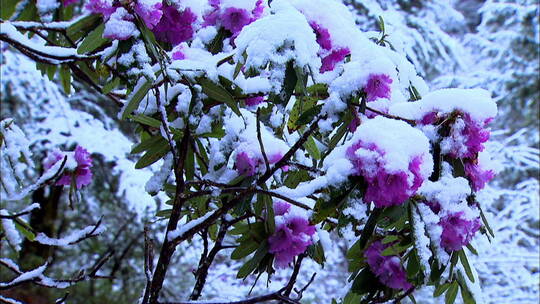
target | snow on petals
x=392, y=168
x=77, y=166
x=292, y=235
x=388, y=269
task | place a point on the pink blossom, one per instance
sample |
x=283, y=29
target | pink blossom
x=150, y=15
x=291, y=237
x=178, y=55
x=378, y=86
x=104, y=7
x=329, y=62
x=245, y=164
x=384, y=188
x=174, y=26
x=258, y=10
x=82, y=173
x=475, y=135
x=388, y=269
x=253, y=101
x=281, y=207
x=234, y=19
x=478, y=176
x=69, y=2
x=323, y=36
x=457, y=230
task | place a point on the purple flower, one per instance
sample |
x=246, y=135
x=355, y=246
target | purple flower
x=281, y=207
x=245, y=165
x=291, y=237
x=253, y=101
x=388, y=269
x=329, y=62
x=378, y=86
x=175, y=27
x=434, y=206
x=234, y=19
x=323, y=36
x=178, y=55
x=150, y=14
x=82, y=173
x=457, y=231
x=355, y=122
x=429, y=118
x=104, y=7
x=383, y=188
x=258, y=10
x=476, y=135
x=68, y=2
x=477, y=175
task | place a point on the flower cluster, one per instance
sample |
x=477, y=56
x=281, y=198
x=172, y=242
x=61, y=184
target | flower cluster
x=458, y=230
x=292, y=235
x=77, y=166
x=388, y=269
x=233, y=18
x=248, y=165
x=391, y=177
x=331, y=55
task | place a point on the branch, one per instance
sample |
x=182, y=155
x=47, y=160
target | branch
x=259, y=137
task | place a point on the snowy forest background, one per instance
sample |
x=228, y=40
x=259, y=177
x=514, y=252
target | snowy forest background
x=467, y=44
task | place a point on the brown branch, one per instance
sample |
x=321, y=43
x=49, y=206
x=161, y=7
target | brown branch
x=168, y=248
x=259, y=138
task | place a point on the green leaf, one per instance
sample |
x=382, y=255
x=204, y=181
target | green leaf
x=153, y=155
x=250, y=265
x=244, y=249
x=164, y=213
x=93, y=41
x=365, y=282
x=413, y=264
x=316, y=252
x=485, y=221
x=79, y=28
x=394, y=250
x=25, y=229
x=309, y=115
x=136, y=98
x=466, y=265
x=312, y=148
x=65, y=78
x=472, y=249
x=146, y=120
x=296, y=177
x=111, y=85
x=318, y=89
x=351, y=298
x=219, y=93
x=145, y=145
x=8, y=7
x=440, y=289
x=289, y=83
x=466, y=294
x=451, y=293
x=389, y=239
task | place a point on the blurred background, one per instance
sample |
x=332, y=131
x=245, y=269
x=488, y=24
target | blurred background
x=468, y=44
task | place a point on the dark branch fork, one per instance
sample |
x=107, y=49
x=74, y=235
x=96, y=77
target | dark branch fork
x=151, y=294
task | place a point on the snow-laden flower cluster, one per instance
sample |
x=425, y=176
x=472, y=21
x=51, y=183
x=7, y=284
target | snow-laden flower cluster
x=77, y=166
x=292, y=236
x=459, y=221
x=392, y=168
x=388, y=269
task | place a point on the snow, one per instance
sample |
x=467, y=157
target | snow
x=476, y=102
x=12, y=235
x=183, y=228
x=11, y=32
x=26, y=276
x=278, y=38
x=398, y=152
x=70, y=239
